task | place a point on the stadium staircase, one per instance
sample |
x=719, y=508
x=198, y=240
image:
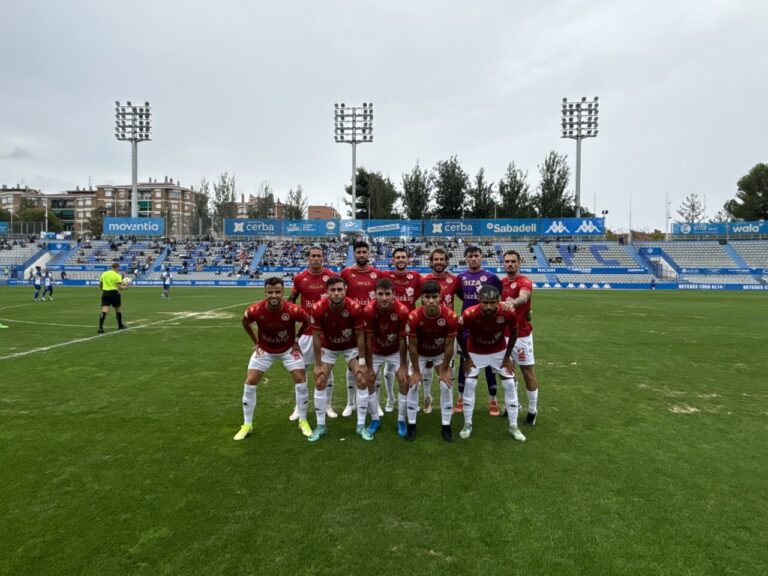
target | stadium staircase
x=258, y=255
x=541, y=259
x=157, y=266
x=350, y=256
x=641, y=261
x=731, y=251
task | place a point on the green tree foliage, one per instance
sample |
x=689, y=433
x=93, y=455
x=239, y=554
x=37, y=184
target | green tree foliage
x=691, y=209
x=224, y=199
x=553, y=201
x=200, y=219
x=95, y=223
x=36, y=213
x=515, y=199
x=417, y=190
x=375, y=191
x=482, y=197
x=751, y=202
x=170, y=221
x=264, y=203
x=5, y=215
x=295, y=204
x=450, y=182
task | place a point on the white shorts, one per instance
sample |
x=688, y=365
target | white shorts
x=263, y=361
x=522, y=353
x=329, y=356
x=494, y=360
x=436, y=361
x=307, y=348
x=393, y=361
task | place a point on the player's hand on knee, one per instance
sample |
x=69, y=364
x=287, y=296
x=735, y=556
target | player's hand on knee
x=320, y=376
x=446, y=376
x=401, y=374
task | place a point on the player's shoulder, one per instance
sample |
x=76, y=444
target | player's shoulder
x=524, y=282
x=369, y=310
x=300, y=276
x=401, y=309
x=471, y=312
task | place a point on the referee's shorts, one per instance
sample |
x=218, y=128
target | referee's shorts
x=111, y=298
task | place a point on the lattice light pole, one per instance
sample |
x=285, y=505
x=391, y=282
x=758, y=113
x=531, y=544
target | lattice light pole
x=579, y=121
x=353, y=125
x=133, y=123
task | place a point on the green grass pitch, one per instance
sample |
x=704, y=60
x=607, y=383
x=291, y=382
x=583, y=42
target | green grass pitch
x=116, y=454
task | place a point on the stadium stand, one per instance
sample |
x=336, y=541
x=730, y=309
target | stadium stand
x=755, y=254
x=719, y=279
x=604, y=278
x=598, y=255
x=697, y=254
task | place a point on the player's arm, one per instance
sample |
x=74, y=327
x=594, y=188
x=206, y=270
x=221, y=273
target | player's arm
x=507, y=361
x=305, y=321
x=413, y=351
x=249, y=330
x=368, y=348
x=522, y=298
x=402, y=371
x=294, y=295
x=461, y=338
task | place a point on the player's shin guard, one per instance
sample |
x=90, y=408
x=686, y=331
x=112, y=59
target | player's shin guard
x=249, y=403
x=329, y=389
x=426, y=381
x=302, y=399
x=351, y=387
x=533, y=400
x=362, y=406
x=402, y=401
x=389, y=382
x=470, y=384
x=320, y=405
x=446, y=403
x=413, y=404
x=510, y=399
x=490, y=377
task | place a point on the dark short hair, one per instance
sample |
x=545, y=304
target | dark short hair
x=315, y=247
x=471, y=250
x=399, y=249
x=385, y=284
x=438, y=251
x=360, y=244
x=115, y=265
x=334, y=280
x=488, y=292
x=514, y=253
x=430, y=287
x=274, y=281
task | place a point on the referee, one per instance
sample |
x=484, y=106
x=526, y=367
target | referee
x=111, y=284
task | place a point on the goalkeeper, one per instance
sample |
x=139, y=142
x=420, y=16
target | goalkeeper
x=111, y=282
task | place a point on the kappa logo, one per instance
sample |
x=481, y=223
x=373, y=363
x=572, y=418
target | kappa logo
x=437, y=227
x=587, y=227
x=239, y=227
x=557, y=227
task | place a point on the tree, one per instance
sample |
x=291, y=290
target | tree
x=374, y=191
x=417, y=189
x=170, y=221
x=264, y=203
x=553, y=201
x=515, y=195
x=224, y=199
x=37, y=214
x=751, y=202
x=5, y=216
x=200, y=219
x=450, y=182
x=481, y=197
x=721, y=216
x=295, y=204
x=95, y=223
x=691, y=209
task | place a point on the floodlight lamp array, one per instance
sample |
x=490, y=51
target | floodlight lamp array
x=353, y=124
x=579, y=118
x=133, y=121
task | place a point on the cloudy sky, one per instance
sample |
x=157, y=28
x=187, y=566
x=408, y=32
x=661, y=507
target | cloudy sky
x=249, y=87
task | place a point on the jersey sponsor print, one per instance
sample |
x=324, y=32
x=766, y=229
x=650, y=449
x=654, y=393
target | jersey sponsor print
x=386, y=327
x=432, y=332
x=486, y=333
x=338, y=325
x=510, y=289
x=277, y=328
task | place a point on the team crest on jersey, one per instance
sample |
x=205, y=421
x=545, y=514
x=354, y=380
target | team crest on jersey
x=441, y=322
x=346, y=333
x=374, y=275
x=513, y=285
x=409, y=276
x=325, y=278
x=449, y=280
x=393, y=317
x=409, y=291
x=285, y=317
x=483, y=278
x=500, y=320
x=345, y=313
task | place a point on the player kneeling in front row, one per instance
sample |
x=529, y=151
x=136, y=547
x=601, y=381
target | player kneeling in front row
x=337, y=330
x=432, y=330
x=486, y=324
x=385, y=344
x=277, y=340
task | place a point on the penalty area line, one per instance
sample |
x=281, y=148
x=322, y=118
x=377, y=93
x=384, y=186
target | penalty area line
x=130, y=329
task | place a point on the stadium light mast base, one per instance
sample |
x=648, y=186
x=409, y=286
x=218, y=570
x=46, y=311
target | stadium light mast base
x=353, y=125
x=579, y=120
x=133, y=124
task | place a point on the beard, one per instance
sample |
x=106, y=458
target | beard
x=362, y=262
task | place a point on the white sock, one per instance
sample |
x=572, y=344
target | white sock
x=389, y=382
x=377, y=399
x=373, y=405
x=446, y=403
x=362, y=406
x=402, y=400
x=320, y=405
x=302, y=399
x=329, y=389
x=413, y=404
x=426, y=381
x=351, y=387
x=249, y=403
x=469, y=400
x=510, y=398
x=533, y=400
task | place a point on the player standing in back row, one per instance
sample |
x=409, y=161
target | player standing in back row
x=360, y=279
x=310, y=285
x=517, y=291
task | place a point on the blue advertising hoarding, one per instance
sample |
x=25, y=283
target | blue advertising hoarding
x=310, y=228
x=252, y=227
x=388, y=228
x=134, y=226
x=3, y=227
x=351, y=226
x=516, y=227
x=718, y=228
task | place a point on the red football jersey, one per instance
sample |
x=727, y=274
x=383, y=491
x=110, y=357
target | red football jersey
x=277, y=328
x=448, y=286
x=361, y=285
x=432, y=332
x=310, y=286
x=386, y=328
x=407, y=287
x=511, y=289
x=338, y=325
x=486, y=333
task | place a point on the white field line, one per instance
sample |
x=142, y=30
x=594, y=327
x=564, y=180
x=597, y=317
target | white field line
x=13, y=321
x=186, y=315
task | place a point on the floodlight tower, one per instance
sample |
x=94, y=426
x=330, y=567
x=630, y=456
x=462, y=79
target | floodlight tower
x=353, y=125
x=579, y=121
x=132, y=123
